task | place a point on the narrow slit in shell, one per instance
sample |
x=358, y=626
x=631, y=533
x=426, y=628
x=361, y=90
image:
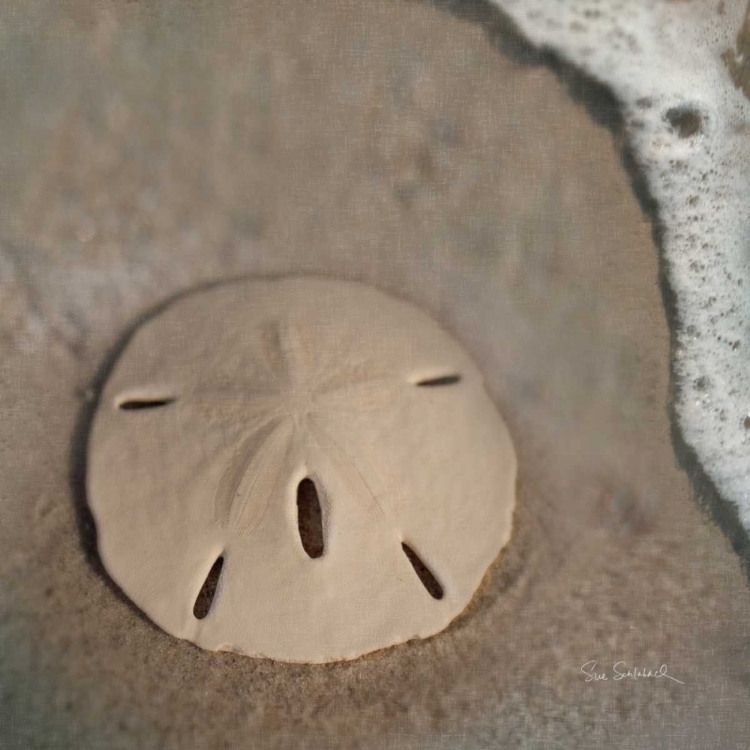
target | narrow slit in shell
x=425, y=575
x=206, y=595
x=309, y=518
x=439, y=381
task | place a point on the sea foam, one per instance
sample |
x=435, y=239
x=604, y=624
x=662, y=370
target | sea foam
x=676, y=68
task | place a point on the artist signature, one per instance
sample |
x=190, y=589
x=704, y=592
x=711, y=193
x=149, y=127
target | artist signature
x=621, y=671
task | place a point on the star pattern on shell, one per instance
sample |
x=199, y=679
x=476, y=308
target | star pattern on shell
x=283, y=421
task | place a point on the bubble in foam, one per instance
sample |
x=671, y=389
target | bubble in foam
x=682, y=74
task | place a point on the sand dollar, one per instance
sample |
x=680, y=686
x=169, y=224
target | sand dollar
x=326, y=451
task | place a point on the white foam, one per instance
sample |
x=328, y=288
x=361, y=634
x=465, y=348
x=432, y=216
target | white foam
x=657, y=57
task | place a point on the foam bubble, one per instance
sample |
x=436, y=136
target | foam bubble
x=672, y=67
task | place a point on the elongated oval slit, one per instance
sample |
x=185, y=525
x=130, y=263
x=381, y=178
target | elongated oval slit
x=434, y=589
x=145, y=403
x=208, y=591
x=309, y=518
x=440, y=381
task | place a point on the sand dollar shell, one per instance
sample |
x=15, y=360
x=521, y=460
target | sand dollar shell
x=239, y=409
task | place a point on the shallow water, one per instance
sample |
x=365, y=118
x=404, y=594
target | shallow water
x=681, y=74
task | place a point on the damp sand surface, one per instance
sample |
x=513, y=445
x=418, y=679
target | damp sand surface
x=150, y=150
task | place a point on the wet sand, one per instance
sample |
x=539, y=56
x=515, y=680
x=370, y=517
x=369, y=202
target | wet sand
x=151, y=150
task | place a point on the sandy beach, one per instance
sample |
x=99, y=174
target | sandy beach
x=150, y=148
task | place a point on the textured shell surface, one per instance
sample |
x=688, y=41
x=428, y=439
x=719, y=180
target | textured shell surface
x=222, y=404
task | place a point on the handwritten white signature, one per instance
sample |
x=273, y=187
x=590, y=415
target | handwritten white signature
x=621, y=671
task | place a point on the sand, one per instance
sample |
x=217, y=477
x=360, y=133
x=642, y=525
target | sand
x=147, y=149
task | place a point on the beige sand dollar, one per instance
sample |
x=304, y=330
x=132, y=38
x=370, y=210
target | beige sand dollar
x=230, y=401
